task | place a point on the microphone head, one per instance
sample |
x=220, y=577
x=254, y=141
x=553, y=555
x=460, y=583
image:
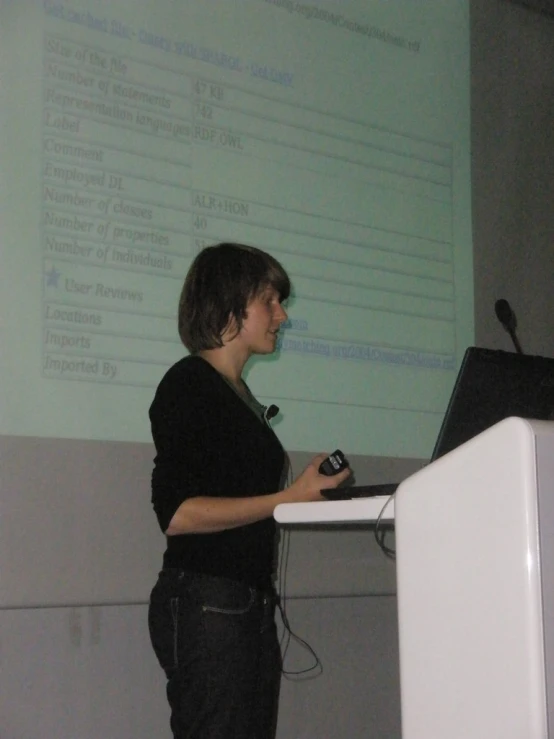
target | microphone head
x=505, y=314
x=271, y=412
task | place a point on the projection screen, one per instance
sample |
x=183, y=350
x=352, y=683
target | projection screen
x=334, y=135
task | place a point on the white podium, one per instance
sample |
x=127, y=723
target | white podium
x=475, y=583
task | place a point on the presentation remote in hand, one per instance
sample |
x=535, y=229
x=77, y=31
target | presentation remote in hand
x=333, y=464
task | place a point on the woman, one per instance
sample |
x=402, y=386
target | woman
x=218, y=474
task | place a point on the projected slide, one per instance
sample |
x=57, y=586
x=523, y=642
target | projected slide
x=335, y=135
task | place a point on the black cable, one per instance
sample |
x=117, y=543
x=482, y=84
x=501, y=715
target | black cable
x=288, y=634
x=380, y=532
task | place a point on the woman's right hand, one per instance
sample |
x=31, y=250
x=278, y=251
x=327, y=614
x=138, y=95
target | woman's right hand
x=308, y=485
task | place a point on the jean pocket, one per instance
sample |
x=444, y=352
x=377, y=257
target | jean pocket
x=236, y=603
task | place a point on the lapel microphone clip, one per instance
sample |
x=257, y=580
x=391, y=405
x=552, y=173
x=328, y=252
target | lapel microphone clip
x=270, y=412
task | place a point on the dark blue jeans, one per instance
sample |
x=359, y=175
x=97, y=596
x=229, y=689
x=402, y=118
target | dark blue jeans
x=217, y=643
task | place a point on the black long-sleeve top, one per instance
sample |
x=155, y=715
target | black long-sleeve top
x=209, y=442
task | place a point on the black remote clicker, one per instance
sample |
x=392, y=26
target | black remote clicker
x=333, y=464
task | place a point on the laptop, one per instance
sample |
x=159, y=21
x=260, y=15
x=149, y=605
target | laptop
x=491, y=385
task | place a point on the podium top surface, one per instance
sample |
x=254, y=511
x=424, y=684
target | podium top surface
x=358, y=510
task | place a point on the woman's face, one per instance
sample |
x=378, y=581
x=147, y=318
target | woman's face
x=264, y=316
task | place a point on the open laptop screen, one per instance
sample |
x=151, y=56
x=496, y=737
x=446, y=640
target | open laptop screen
x=493, y=385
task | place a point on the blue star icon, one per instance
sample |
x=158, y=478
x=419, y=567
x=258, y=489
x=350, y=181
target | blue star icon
x=52, y=277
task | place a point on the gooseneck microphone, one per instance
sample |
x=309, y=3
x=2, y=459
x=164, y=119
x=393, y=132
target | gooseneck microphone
x=507, y=318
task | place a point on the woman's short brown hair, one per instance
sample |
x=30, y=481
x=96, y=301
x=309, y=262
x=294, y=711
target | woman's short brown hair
x=219, y=284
